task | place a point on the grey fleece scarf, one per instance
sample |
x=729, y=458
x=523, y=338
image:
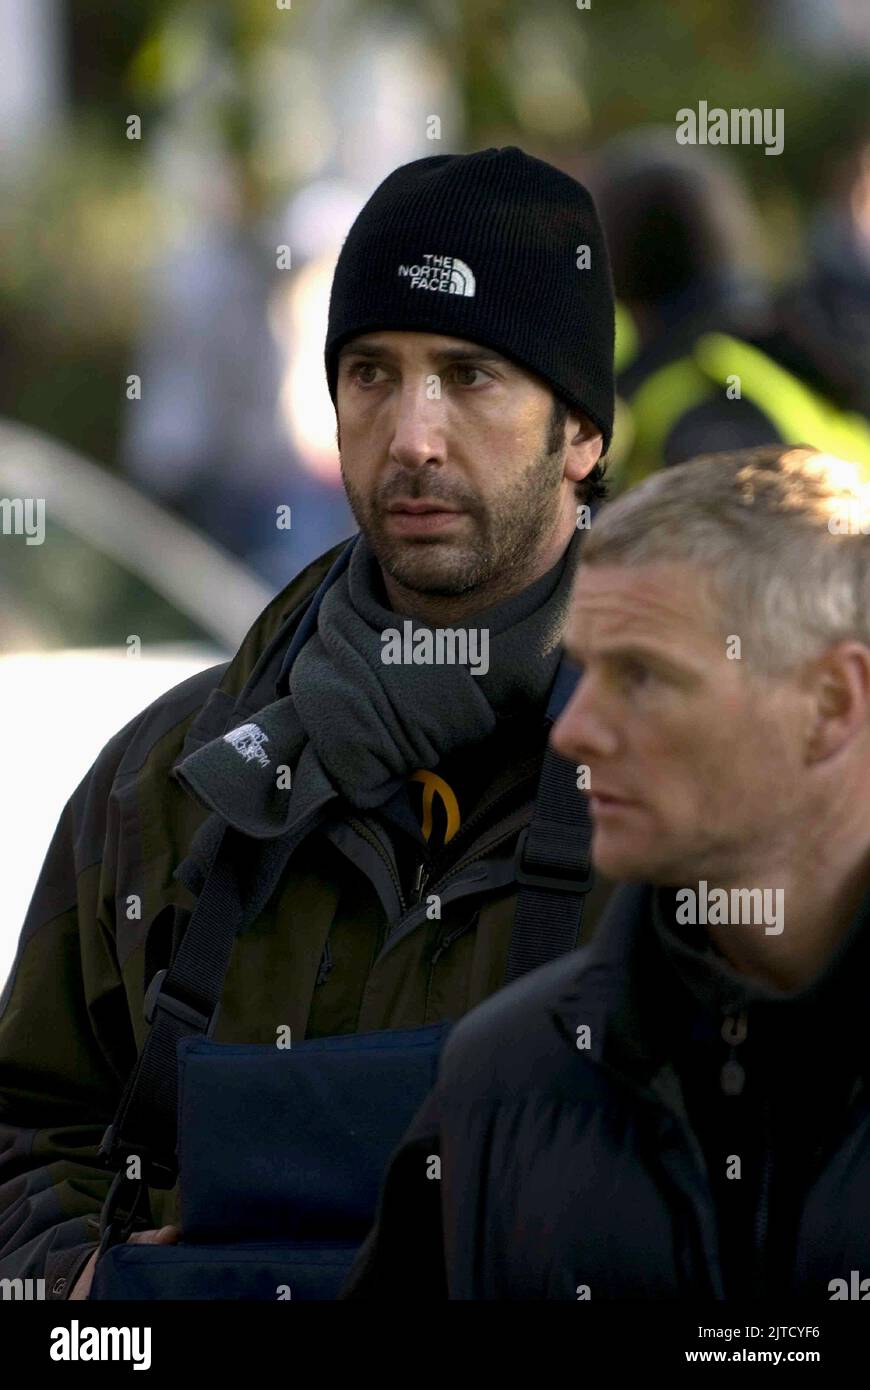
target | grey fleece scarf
x=357, y=727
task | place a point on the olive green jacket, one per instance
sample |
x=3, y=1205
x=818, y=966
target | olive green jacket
x=71, y=1016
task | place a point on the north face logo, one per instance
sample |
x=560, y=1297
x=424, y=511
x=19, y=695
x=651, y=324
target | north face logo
x=248, y=740
x=446, y=274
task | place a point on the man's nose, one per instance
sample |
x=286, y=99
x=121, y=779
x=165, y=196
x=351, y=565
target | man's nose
x=583, y=731
x=418, y=427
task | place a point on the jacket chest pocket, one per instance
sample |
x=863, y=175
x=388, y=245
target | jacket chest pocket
x=454, y=969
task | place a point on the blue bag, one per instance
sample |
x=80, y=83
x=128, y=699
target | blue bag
x=281, y=1155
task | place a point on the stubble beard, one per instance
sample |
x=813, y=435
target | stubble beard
x=499, y=544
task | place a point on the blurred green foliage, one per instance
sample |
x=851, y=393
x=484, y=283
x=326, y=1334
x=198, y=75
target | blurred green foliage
x=549, y=75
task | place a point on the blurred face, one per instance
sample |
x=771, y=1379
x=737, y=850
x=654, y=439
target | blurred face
x=448, y=464
x=695, y=766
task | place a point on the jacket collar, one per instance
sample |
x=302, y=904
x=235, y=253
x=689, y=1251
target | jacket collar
x=605, y=983
x=630, y=985
x=309, y=620
x=264, y=652
x=621, y=991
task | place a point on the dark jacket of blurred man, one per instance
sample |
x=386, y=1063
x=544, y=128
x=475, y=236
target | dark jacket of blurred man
x=707, y=368
x=681, y=1109
x=364, y=795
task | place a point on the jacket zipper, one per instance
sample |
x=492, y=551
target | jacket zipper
x=482, y=849
x=421, y=878
x=761, y=1218
x=483, y=811
x=424, y=873
x=503, y=831
x=451, y=937
x=734, y=1031
x=374, y=840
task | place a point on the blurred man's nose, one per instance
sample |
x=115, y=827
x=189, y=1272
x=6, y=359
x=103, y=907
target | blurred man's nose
x=418, y=426
x=582, y=731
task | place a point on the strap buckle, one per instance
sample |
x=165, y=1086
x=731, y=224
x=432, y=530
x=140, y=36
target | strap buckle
x=115, y=1229
x=114, y=1152
x=565, y=882
x=156, y=997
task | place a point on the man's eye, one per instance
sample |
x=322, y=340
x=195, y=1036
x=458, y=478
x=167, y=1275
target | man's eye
x=359, y=367
x=633, y=674
x=463, y=367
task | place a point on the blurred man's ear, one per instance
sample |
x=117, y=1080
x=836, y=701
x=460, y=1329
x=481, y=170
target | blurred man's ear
x=583, y=441
x=840, y=688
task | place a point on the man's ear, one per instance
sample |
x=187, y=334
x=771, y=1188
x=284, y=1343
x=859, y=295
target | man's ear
x=583, y=441
x=840, y=683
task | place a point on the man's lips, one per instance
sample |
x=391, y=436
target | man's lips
x=422, y=518
x=417, y=508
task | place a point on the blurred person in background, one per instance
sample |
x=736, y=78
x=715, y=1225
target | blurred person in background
x=822, y=320
x=207, y=436
x=684, y=245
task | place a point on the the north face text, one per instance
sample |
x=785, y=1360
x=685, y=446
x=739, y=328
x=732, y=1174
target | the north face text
x=447, y=274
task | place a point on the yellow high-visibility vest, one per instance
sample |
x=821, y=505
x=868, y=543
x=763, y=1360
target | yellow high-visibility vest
x=719, y=362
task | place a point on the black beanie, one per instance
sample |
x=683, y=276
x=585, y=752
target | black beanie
x=485, y=247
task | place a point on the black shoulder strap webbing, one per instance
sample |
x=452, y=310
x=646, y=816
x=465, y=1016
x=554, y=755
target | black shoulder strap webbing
x=163, y=938
x=554, y=870
x=181, y=1001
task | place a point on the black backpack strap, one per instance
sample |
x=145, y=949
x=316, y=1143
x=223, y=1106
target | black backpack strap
x=181, y=1001
x=163, y=938
x=554, y=870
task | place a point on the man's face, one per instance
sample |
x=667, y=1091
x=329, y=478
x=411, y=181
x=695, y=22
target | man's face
x=439, y=421
x=694, y=764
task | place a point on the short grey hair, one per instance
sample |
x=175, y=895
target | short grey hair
x=777, y=533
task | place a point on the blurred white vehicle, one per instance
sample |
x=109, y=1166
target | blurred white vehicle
x=116, y=603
